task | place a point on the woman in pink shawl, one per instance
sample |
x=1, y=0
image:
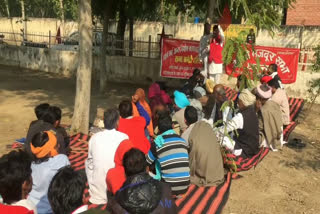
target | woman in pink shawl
x=157, y=97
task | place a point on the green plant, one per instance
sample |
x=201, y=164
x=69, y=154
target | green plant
x=236, y=51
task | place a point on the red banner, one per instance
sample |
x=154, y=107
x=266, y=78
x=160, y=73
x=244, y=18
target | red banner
x=179, y=58
x=286, y=58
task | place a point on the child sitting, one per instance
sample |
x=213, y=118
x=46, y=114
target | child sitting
x=47, y=161
x=16, y=183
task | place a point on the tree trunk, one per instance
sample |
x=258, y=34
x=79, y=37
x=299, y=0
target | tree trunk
x=7, y=7
x=131, y=37
x=80, y=120
x=61, y=17
x=121, y=28
x=103, y=64
x=24, y=21
x=211, y=8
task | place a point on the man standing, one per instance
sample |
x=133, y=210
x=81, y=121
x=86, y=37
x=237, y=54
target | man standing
x=204, y=50
x=215, y=55
x=102, y=148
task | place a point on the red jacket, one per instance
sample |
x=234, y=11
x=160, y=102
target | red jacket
x=135, y=129
x=215, y=54
x=12, y=209
x=116, y=176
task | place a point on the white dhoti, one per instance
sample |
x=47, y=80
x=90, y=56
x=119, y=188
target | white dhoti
x=215, y=71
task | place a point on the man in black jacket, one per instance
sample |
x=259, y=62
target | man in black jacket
x=141, y=193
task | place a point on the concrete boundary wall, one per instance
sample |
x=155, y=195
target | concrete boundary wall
x=119, y=68
x=285, y=36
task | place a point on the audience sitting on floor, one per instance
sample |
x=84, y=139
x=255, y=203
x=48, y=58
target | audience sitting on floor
x=16, y=183
x=134, y=127
x=246, y=142
x=269, y=114
x=148, y=154
x=102, y=148
x=141, y=193
x=170, y=154
x=47, y=161
x=206, y=165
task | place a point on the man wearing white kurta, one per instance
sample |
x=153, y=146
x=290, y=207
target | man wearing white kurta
x=102, y=148
x=215, y=55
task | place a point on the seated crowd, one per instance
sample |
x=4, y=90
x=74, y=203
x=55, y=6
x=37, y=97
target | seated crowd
x=149, y=152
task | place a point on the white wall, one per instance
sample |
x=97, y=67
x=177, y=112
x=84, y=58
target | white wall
x=119, y=68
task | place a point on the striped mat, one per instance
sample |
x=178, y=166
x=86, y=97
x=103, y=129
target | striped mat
x=238, y=164
x=205, y=199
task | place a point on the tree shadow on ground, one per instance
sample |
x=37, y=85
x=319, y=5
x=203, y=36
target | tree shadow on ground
x=39, y=87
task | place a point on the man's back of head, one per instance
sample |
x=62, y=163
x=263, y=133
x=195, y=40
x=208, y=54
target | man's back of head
x=66, y=189
x=111, y=119
x=125, y=109
x=191, y=115
x=165, y=123
x=134, y=162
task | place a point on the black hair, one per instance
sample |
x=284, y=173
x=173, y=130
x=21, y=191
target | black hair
x=111, y=118
x=274, y=67
x=57, y=111
x=51, y=115
x=38, y=140
x=207, y=28
x=125, y=109
x=191, y=115
x=66, y=189
x=164, y=123
x=215, y=27
x=196, y=72
x=40, y=109
x=274, y=83
x=15, y=169
x=134, y=162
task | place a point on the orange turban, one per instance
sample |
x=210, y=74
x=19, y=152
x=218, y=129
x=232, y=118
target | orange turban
x=48, y=149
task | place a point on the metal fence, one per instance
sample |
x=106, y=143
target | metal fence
x=136, y=48
x=139, y=47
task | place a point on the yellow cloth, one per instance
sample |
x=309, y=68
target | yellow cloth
x=48, y=149
x=209, y=86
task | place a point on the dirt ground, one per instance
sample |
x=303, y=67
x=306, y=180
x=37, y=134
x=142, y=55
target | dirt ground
x=287, y=181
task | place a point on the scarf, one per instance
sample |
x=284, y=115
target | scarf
x=159, y=141
x=48, y=149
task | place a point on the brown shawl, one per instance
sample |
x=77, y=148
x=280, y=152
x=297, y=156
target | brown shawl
x=206, y=165
x=270, y=123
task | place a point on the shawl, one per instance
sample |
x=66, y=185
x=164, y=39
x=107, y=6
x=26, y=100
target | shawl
x=206, y=165
x=270, y=120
